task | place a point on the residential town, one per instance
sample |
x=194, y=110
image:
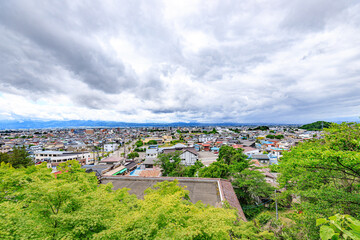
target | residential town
x=108, y=151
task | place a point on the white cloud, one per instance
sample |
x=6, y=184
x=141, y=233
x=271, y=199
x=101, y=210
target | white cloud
x=166, y=61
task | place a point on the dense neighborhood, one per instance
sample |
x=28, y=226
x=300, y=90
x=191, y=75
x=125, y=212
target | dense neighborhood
x=251, y=170
x=97, y=148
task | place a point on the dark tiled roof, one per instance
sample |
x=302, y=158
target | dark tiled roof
x=131, y=165
x=190, y=149
x=230, y=196
x=98, y=169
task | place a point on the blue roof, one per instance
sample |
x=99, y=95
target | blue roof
x=274, y=148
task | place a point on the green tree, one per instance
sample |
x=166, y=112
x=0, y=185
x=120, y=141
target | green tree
x=230, y=155
x=169, y=163
x=249, y=184
x=133, y=155
x=316, y=126
x=215, y=170
x=36, y=204
x=251, y=187
x=139, y=143
x=262, y=128
x=213, y=131
x=270, y=136
x=152, y=142
x=139, y=149
x=19, y=157
x=325, y=175
x=279, y=136
x=193, y=171
x=171, y=166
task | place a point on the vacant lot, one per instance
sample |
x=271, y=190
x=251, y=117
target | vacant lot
x=207, y=157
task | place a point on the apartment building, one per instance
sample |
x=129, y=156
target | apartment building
x=54, y=158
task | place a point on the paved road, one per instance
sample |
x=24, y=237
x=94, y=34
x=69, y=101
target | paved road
x=121, y=149
x=207, y=157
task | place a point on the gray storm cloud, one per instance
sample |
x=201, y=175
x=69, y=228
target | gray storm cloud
x=238, y=61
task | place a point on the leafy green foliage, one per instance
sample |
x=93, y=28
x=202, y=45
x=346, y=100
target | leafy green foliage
x=171, y=166
x=251, y=187
x=231, y=156
x=215, y=170
x=234, y=130
x=315, y=126
x=230, y=160
x=140, y=150
x=262, y=128
x=139, y=143
x=249, y=184
x=19, y=157
x=325, y=173
x=152, y=142
x=339, y=227
x=36, y=204
x=133, y=155
x=264, y=218
x=279, y=136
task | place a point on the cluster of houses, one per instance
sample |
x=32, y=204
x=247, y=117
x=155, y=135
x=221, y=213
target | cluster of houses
x=101, y=147
x=106, y=152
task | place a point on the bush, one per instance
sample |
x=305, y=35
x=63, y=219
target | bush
x=264, y=218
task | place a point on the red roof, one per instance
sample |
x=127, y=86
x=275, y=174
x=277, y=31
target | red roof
x=58, y=172
x=237, y=146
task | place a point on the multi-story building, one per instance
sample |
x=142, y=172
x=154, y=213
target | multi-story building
x=110, y=147
x=53, y=158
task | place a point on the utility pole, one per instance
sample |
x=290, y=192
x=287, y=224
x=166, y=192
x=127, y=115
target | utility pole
x=276, y=207
x=124, y=152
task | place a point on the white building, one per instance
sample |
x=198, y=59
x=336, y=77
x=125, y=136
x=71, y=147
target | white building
x=110, y=147
x=189, y=157
x=151, y=153
x=54, y=158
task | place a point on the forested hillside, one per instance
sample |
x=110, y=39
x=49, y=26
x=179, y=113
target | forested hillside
x=316, y=126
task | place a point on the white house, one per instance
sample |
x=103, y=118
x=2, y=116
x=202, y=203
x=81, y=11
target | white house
x=110, y=147
x=189, y=157
x=151, y=153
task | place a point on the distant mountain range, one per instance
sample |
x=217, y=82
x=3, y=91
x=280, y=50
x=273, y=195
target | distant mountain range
x=37, y=124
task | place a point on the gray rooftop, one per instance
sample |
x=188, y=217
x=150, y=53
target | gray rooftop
x=151, y=151
x=207, y=192
x=200, y=189
x=149, y=161
x=98, y=169
x=260, y=156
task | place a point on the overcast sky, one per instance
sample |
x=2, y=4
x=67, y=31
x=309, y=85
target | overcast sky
x=167, y=61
